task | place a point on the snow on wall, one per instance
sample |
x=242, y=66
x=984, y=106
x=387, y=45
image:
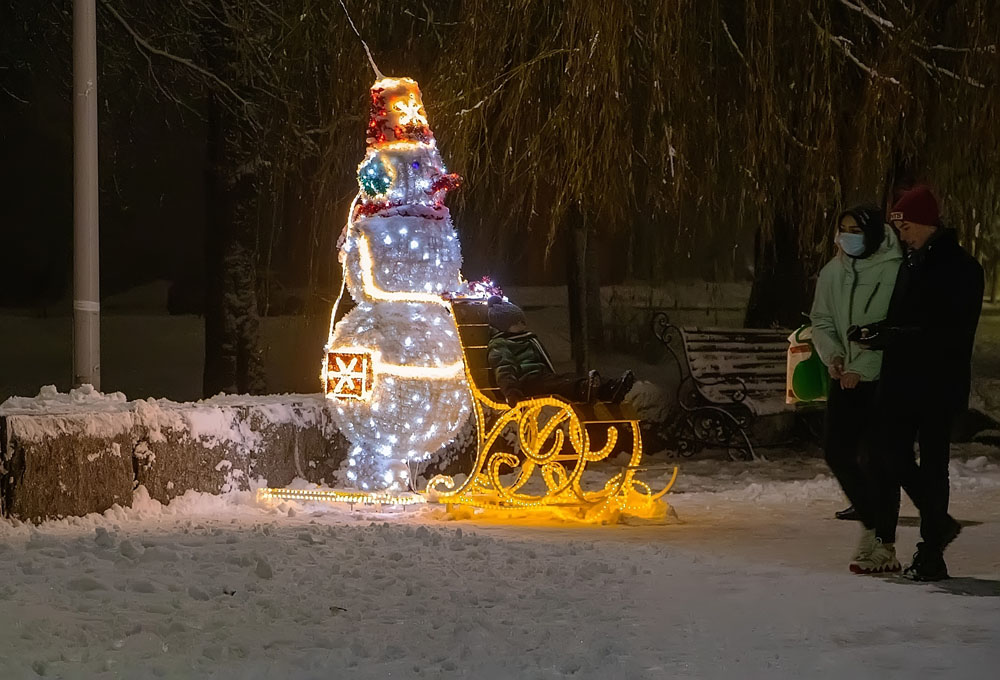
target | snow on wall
x=211, y=422
x=109, y=415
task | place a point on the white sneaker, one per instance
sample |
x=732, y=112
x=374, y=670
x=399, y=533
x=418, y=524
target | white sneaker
x=865, y=545
x=881, y=560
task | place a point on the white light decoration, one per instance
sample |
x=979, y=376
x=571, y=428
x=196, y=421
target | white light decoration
x=410, y=111
x=394, y=365
x=336, y=496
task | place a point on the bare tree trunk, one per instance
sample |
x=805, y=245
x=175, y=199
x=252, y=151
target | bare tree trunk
x=217, y=375
x=583, y=278
x=900, y=177
x=232, y=355
x=781, y=290
x=996, y=280
x=592, y=280
x=577, y=287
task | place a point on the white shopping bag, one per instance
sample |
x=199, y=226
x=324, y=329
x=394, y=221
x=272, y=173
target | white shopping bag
x=806, y=378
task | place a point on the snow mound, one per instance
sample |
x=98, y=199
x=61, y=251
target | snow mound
x=51, y=401
x=650, y=401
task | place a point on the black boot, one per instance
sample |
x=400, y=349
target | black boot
x=951, y=532
x=849, y=514
x=616, y=390
x=928, y=565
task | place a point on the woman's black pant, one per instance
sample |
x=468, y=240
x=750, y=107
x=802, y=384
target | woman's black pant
x=851, y=430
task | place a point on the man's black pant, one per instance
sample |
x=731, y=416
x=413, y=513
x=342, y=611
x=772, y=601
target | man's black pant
x=847, y=444
x=927, y=484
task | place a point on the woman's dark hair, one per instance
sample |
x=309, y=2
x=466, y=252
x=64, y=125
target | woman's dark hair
x=871, y=220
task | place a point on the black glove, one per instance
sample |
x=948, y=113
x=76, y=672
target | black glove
x=872, y=336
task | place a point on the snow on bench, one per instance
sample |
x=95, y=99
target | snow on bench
x=739, y=364
x=729, y=377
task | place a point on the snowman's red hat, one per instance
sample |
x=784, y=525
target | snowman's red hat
x=397, y=113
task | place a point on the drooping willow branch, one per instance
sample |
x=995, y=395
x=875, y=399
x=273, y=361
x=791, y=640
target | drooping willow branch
x=187, y=63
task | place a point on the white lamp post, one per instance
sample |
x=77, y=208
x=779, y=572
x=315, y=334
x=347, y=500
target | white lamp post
x=86, y=254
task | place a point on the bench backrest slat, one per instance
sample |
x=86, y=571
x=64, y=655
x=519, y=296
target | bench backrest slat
x=695, y=332
x=471, y=313
x=737, y=347
x=477, y=359
x=474, y=334
x=717, y=362
x=755, y=356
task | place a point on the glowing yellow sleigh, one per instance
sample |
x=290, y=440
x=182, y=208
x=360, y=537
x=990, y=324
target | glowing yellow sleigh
x=553, y=443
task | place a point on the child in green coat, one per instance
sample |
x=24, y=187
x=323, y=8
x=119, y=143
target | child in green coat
x=523, y=368
x=854, y=289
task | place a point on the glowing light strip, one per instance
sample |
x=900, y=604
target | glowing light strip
x=343, y=269
x=335, y=496
x=403, y=145
x=390, y=81
x=421, y=372
x=372, y=290
x=445, y=372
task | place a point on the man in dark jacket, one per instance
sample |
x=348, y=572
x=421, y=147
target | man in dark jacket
x=523, y=368
x=928, y=337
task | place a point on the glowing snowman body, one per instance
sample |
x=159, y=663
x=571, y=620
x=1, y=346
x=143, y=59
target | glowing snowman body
x=394, y=364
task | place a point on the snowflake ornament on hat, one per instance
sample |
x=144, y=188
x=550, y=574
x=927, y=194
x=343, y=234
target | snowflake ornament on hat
x=397, y=113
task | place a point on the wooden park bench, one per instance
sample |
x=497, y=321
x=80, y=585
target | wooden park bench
x=733, y=376
x=536, y=452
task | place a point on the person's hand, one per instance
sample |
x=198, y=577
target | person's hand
x=849, y=381
x=836, y=368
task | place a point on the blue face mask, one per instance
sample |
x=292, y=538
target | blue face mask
x=852, y=244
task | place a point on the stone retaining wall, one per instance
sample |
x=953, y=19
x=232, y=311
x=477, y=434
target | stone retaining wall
x=70, y=470
x=57, y=464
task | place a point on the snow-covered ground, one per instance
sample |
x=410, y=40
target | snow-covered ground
x=750, y=581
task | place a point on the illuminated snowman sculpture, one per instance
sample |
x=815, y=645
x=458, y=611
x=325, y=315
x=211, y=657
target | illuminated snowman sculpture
x=393, y=366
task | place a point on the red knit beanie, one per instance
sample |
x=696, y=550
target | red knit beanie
x=917, y=205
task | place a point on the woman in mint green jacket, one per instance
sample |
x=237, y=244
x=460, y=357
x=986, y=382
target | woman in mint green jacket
x=853, y=290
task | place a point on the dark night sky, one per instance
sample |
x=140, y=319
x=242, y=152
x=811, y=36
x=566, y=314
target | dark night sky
x=151, y=187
